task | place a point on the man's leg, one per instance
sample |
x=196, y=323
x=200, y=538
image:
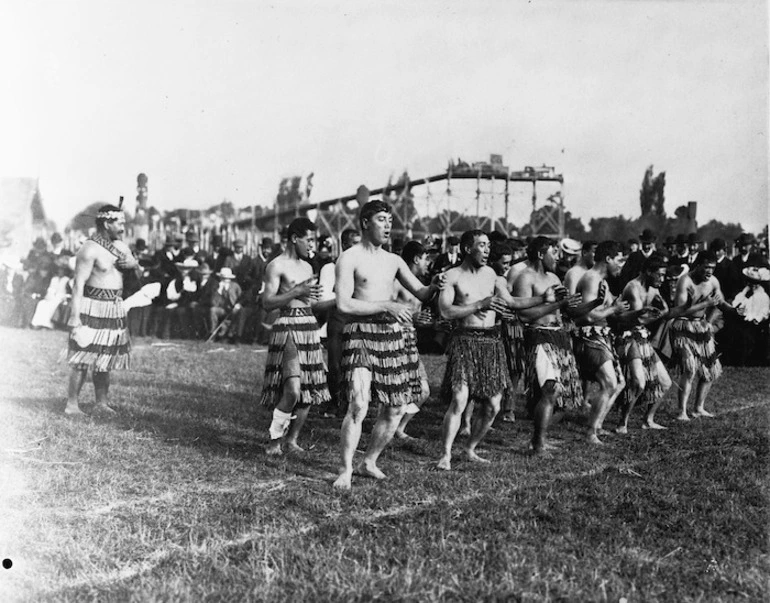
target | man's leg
x=542, y=415
x=509, y=401
x=488, y=413
x=350, y=434
x=700, y=399
x=466, y=428
x=76, y=381
x=685, y=387
x=608, y=390
x=102, y=392
x=300, y=416
x=635, y=388
x=411, y=410
x=452, y=419
x=282, y=416
x=665, y=384
x=382, y=434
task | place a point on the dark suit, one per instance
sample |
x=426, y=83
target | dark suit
x=223, y=304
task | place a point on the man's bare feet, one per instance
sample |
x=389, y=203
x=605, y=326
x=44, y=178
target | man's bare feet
x=621, y=429
x=649, y=424
x=464, y=432
x=274, y=448
x=294, y=447
x=475, y=458
x=73, y=410
x=103, y=410
x=370, y=470
x=683, y=417
x=594, y=439
x=702, y=412
x=343, y=481
x=444, y=463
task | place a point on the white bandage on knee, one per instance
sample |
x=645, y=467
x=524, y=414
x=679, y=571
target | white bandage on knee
x=280, y=424
x=412, y=408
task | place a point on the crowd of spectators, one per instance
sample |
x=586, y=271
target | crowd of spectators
x=214, y=293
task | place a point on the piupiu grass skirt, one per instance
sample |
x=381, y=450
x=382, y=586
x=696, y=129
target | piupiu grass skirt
x=296, y=327
x=693, y=348
x=476, y=358
x=635, y=344
x=107, y=344
x=415, y=367
x=594, y=346
x=551, y=347
x=513, y=343
x=377, y=343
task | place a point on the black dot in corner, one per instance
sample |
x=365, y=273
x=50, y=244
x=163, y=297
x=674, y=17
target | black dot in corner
x=7, y=563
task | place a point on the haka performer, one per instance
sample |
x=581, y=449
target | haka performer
x=295, y=373
x=374, y=357
x=99, y=337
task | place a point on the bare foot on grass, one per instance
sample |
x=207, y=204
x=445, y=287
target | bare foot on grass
x=475, y=458
x=465, y=432
x=683, y=417
x=103, y=410
x=621, y=429
x=444, y=463
x=702, y=413
x=294, y=447
x=343, y=481
x=370, y=470
x=594, y=439
x=652, y=425
x=73, y=410
x=403, y=436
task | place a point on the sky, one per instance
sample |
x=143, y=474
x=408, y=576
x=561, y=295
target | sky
x=219, y=100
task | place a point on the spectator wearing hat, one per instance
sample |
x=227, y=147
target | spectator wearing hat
x=745, y=257
x=219, y=253
x=583, y=265
x=633, y=245
x=164, y=261
x=194, y=250
x=57, y=247
x=37, y=255
x=693, y=249
x=225, y=304
x=201, y=302
x=180, y=294
x=746, y=340
x=669, y=246
x=570, y=253
x=635, y=261
x=324, y=254
x=34, y=288
x=681, y=256
x=451, y=258
x=722, y=271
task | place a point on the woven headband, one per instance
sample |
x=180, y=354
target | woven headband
x=109, y=215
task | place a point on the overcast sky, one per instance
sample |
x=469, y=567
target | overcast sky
x=220, y=99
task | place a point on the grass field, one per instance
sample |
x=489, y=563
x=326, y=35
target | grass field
x=174, y=499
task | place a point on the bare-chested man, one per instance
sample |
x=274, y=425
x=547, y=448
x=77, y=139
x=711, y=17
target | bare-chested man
x=99, y=337
x=595, y=351
x=646, y=377
x=476, y=363
x=374, y=358
x=551, y=375
x=583, y=265
x=416, y=257
x=692, y=338
x=295, y=373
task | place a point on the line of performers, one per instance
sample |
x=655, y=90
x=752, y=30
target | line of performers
x=524, y=324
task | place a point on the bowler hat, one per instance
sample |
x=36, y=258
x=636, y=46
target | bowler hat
x=681, y=239
x=647, y=236
x=693, y=238
x=745, y=238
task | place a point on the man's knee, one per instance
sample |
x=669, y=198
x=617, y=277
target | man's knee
x=548, y=391
x=292, y=390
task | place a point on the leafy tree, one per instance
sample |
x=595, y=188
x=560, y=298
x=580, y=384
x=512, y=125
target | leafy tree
x=651, y=195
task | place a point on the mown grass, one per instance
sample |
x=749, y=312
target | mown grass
x=174, y=498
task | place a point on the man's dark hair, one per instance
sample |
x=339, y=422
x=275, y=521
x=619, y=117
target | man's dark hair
x=588, y=244
x=498, y=250
x=655, y=262
x=300, y=227
x=538, y=245
x=705, y=257
x=104, y=209
x=412, y=250
x=607, y=249
x=370, y=208
x=496, y=237
x=347, y=236
x=469, y=236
